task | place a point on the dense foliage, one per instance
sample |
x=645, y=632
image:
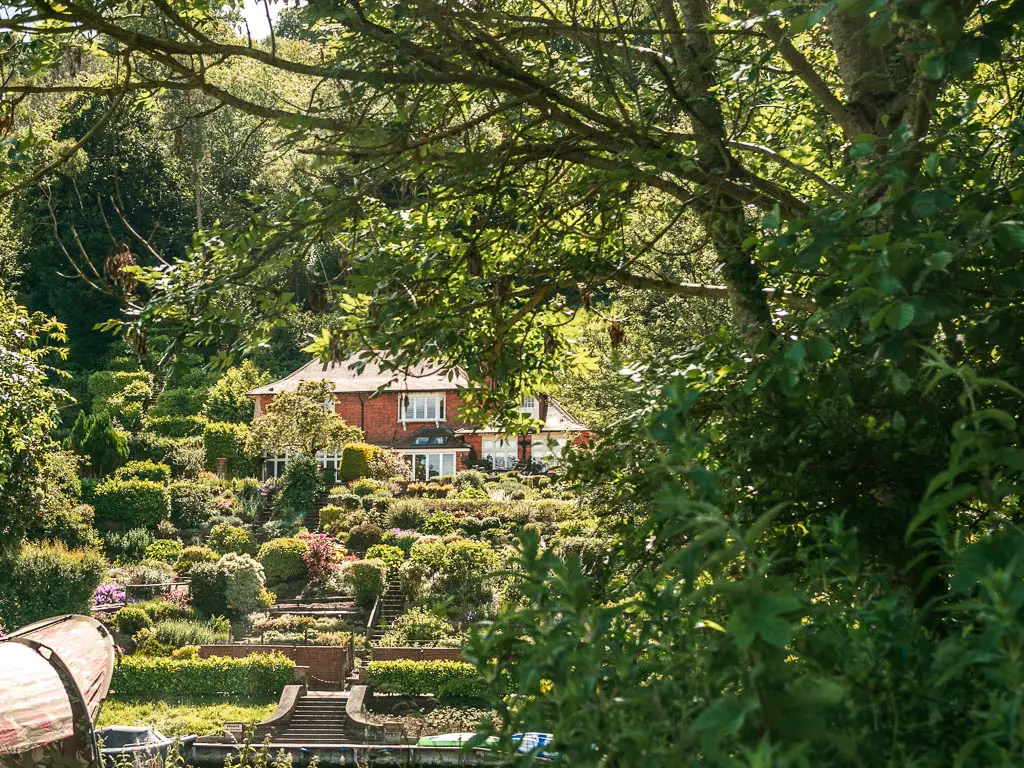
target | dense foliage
x=255, y=675
x=47, y=580
x=446, y=679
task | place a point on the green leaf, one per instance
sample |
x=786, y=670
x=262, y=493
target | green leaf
x=796, y=354
x=819, y=349
x=934, y=66
x=1010, y=236
x=900, y=315
x=772, y=219
x=938, y=260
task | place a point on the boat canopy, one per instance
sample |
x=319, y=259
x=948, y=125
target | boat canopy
x=54, y=675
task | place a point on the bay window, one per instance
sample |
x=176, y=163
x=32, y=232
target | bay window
x=546, y=450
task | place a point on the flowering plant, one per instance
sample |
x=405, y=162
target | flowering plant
x=109, y=594
x=321, y=558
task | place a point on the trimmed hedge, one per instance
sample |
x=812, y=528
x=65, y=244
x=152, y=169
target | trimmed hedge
x=135, y=503
x=355, y=461
x=144, y=470
x=148, y=677
x=417, y=678
x=224, y=440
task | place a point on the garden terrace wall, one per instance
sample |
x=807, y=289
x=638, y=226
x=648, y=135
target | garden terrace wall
x=330, y=663
x=394, y=653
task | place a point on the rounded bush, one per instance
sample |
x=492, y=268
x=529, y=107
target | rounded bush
x=419, y=627
x=355, y=461
x=362, y=537
x=225, y=539
x=243, y=584
x=366, y=580
x=165, y=550
x=365, y=486
x=283, y=559
x=132, y=502
x=469, y=478
x=192, y=556
x=391, y=555
x=439, y=523
x=132, y=618
x=48, y=579
x=192, y=503
x=208, y=589
x=407, y=513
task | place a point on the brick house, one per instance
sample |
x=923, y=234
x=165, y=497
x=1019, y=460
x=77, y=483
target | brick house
x=416, y=414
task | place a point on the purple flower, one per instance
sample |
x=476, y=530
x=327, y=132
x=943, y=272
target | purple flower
x=109, y=594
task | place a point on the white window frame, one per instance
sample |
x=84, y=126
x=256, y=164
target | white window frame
x=443, y=463
x=544, y=455
x=411, y=403
x=528, y=404
x=275, y=463
x=329, y=460
x=501, y=450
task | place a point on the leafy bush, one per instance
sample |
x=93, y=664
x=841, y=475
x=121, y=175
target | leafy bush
x=127, y=546
x=407, y=513
x=147, y=446
x=145, y=572
x=144, y=470
x=463, y=571
x=230, y=538
x=209, y=587
x=283, y=559
x=366, y=580
x=445, y=679
x=187, y=456
x=243, y=583
x=181, y=632
x=362, y=537
x=418, y=627
x=178, y=401
x=165, y=610
x=298, y=489
x=349, y=502
x=386, y=465
x=355, y=461
x=225, y=440
x=132, y=618
x=74, y=526
x=192, y=503
x=167, y=550
x=439, y=523
x=403, y=539
x=391, y=556
x=331, y=516
x=469, y=478
x=132, y=502
x=365, y=487
x=48, y=579
x=591, y=552
x=226, y=400
x=254, y=675
x=192, y=556
x=176, y=426
x=320, y=560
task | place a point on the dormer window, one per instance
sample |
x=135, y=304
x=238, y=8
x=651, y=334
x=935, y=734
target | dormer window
x=528, y=405
x=421, y=408
x=421, y=441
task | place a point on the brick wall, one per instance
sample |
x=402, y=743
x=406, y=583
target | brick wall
x=416, y=654
x=378, y=416
x=326, y=662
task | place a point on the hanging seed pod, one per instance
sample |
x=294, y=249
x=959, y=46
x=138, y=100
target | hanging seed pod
x=616, y=334
x=114, y=266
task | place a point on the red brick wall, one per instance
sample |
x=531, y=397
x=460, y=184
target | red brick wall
x=378, y=416
x=326, y=662
x=417, y=654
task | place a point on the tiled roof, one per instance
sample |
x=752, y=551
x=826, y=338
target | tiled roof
x=558, y=420
x=424, y=377
x=437, y=438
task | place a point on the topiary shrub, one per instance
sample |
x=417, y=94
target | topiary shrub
x=192, y=503
x=226, y=539
x=283, y=559
x=144, y=470
x=165, y=550
x=444, y=679
x=48, y=579
x=132, y=502
x=257, y=674
x=227, y=441
x=364, y=536
x=392, y=556
x=355, y=461
x=366, y=580
x=131, y=619
x=192, y=556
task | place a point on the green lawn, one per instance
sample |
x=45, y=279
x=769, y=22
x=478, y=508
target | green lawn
x=180, y=717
